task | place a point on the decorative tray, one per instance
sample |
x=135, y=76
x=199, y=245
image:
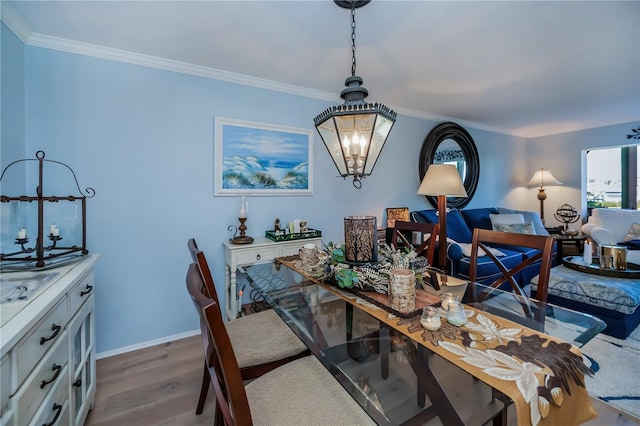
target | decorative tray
x=578, y=264
x=311, y=233
x=382, y=301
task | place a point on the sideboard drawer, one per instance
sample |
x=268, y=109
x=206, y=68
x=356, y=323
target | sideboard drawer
x=34, y=345
x=44, y=378
x=265, y=254
x=80, y=293
x=5, y=383
x=56, y=404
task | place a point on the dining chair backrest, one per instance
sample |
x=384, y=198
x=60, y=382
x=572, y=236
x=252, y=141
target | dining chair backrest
x=542, y=253
x=197, y=256
x=221, y=361
x=402, y=236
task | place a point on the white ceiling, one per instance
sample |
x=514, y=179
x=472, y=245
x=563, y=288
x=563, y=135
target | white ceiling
x=526, y=68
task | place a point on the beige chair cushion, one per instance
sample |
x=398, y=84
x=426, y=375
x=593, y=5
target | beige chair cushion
x=303, y=392
x=261, y=338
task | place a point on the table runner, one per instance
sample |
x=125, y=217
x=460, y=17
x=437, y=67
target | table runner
x=542, y=375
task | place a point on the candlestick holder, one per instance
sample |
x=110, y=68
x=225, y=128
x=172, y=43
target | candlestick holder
x=243, y=238
x=23, y=249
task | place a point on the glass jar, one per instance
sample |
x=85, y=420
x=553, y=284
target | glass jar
x=455, y=314
x=448, y=298
x=430, y=318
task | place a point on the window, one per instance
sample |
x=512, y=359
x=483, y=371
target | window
x=612, y=177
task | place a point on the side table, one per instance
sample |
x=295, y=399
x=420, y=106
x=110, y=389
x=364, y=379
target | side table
x=561, y=240
x=262, y=250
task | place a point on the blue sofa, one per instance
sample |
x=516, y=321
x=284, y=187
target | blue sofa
x=460, y=225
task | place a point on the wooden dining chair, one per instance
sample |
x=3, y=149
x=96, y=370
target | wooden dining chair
x=300, y=392
x=262, y=340
x=541, y=254
x=402, y=237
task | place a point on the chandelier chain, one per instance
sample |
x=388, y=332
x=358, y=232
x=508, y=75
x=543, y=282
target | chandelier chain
x=353, y=39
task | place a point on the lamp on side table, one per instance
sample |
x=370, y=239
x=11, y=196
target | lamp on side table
x=541, y=178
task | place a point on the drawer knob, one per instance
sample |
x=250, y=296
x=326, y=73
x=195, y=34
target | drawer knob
x=56, y=330
x=57, y=369
x=88, y=290
x=258, y=257
x=58, y=408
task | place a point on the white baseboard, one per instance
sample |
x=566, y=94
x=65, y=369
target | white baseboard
x=125, y=349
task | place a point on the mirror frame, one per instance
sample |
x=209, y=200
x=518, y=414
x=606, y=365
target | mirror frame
x=439, y=134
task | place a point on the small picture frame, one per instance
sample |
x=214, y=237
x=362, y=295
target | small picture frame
x=397, y=213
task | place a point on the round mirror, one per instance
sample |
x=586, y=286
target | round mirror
x=449, y=143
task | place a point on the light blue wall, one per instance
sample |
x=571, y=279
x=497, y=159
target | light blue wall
x=12, y=104
x=143, y=138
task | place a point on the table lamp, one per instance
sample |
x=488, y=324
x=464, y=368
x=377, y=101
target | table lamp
x=543, y=177
x=444, y=181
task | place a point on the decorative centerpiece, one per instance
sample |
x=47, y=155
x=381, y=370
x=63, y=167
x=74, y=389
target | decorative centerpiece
x=567, y=214
x=373, y=276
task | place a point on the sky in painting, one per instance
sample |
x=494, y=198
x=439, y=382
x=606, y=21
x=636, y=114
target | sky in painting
x=267, y=145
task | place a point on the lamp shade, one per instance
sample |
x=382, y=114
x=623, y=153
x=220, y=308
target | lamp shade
x=442, y=179
x=543, y=178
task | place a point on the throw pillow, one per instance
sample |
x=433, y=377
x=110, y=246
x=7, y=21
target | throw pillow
x=529, y=216
x=634, y=233
x=505, y=219
x=517, y=228
x=466, y=250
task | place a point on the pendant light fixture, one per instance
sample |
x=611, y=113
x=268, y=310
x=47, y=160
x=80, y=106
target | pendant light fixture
x=355, y=132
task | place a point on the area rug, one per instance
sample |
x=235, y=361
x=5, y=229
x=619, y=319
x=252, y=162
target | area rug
x=616, y=364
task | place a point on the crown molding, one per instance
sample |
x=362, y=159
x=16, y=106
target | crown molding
x=97, y=51
x=14, y=22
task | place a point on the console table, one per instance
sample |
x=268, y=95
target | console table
x=262, y=250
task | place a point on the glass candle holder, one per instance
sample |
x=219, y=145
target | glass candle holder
x=448, y=298
x=430, y=318
x=455, y=314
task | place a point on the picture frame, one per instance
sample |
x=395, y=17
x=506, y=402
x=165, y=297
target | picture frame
x=397, y=213
x=260, y=159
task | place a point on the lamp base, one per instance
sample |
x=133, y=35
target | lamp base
x=242, y=240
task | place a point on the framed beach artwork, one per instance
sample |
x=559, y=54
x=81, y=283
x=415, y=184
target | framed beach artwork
x=262, y=159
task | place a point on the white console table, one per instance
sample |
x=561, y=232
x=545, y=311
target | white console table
x=262, y=250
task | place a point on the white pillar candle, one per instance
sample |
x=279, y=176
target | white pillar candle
x=55, y=231
x=587, y=254
x=22, y=233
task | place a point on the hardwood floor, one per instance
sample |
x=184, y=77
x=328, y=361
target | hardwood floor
x=153, y=386
x=160, y=386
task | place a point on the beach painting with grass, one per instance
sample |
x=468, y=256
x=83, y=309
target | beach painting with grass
x=262, y=159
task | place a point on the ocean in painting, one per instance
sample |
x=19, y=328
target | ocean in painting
x=240, y=172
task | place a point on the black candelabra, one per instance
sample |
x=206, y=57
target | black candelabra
x=37, y=255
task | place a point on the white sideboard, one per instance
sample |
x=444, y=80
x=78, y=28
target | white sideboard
x=47, y=353
x=262, y=250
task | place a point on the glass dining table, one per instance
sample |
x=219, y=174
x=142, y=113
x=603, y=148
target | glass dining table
x=510, y=351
